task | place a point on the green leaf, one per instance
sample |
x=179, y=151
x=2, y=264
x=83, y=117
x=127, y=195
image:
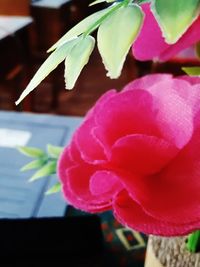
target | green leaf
x=116, y=35
x=48, y=169
x=192, y=71
x=175, y=16
x=143, y=1
x=198, y=49
x=101, y=1
x=34, y=165
x=80, y=28
x=48, y=66
x=193, y=241
x=54, y=189
x=77, y=59
x=54, y=151
x=31, y=151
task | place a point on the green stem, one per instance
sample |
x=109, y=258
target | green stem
x=94, y=26
x=193, y=241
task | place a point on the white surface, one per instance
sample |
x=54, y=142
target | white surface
x=51, y=3
x=12, y=138
x=10, y=24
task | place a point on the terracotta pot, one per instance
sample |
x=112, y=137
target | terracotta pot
x=170, y=252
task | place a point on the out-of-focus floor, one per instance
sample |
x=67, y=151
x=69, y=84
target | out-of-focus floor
x=90, y=86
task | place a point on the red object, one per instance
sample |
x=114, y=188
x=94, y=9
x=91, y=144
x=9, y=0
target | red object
x=151, y=45
x=138, y=153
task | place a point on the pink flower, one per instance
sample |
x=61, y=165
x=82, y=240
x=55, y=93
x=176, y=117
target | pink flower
x=151, y=45
x=138, y=153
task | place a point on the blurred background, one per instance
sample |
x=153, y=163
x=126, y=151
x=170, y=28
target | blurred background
x=27, y=29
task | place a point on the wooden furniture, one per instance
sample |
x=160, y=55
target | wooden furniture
x=14, y=55
x=51, y=21
x=15, y=7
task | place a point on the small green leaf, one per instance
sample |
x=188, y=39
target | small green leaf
x=77, y=59
x=116, y=35
x=101, y=1
x=54, y=189
x=175, y=17
x=192, y=71
x=193, y=241
x=143, y=1
x=80, y=28
x=31, y=151
x=48, y=169
x=54, y=151
x=198, y=49
x=34, y=165
x=48, y=66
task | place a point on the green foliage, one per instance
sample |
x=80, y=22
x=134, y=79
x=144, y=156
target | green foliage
x=192, y=71
x=48, y=66
x=48, y=169
x=54, y=151
x=81, y=51
x=45, y=162
x=198, y=49
x=35, y=164
x=54, y=189
x=175, y=17
x=76, y=45
x=193, y=241
x=31, y=151
x=115, y=42
x=80, y=28
x=101, y=1
x=119, y=26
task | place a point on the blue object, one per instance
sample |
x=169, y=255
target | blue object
x=18, y=197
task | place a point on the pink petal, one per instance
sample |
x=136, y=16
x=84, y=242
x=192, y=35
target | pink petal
x=193, y=80
x=65, y=167
x=105, y=185
x=65, y=161
x=79, y=186
x=191, y=37
x=127, y=113
x=89, y=146
x=142, y=154
x=179, y=184
x=103, y=99
x=130, y=214
x=174, y=115
x=80, y=203
x=150, y=43
x=147, y=81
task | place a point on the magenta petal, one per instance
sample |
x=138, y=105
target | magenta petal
x=179, y=184
x=65, y=162
x=127, y=113
x=191, y=37
x=174, y=115
x=103, y=99
x=79, y=185
x=150, y=43
x=147, y=81
x=87, y=144
x=130, y=214
x=105, y=185
x=80, y=203
x=193, y=80
x=142, y=154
